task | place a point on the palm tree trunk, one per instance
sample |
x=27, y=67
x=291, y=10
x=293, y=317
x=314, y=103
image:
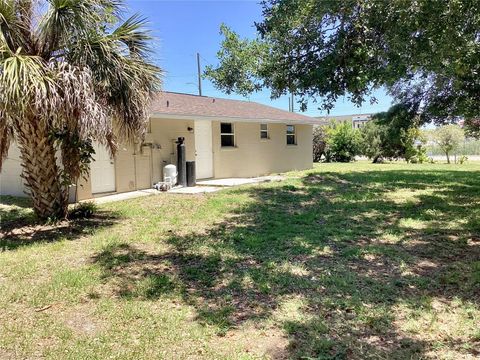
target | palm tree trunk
x=41, y=172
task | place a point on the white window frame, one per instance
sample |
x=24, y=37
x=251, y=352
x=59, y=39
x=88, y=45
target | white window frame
x=294, y=135
x=229, y=134
x=264, y=131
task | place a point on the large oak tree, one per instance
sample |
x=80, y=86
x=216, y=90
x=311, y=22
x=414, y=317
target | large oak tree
x=426, y=53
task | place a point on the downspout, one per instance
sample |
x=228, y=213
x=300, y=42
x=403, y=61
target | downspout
x=135, y=165
x=151, y=165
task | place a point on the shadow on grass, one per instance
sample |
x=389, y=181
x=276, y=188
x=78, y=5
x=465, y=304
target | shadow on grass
x=344, y=250
x=19, y=226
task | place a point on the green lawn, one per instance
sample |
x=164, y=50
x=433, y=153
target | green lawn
x=346, y=261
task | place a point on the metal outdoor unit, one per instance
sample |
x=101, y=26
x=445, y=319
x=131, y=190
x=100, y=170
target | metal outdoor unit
x=191, y=174
x=181, y=162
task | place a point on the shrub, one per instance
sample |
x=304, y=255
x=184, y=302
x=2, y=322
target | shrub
x=413, y=142
x=83, y=210
x=342, y=143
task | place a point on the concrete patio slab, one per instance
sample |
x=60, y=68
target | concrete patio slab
x=229, y=182
x=149, y=192
x=123, y=196
x=194, y=190
x=203, y=187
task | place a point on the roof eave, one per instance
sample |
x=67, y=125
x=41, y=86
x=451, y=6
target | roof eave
x=159, y=115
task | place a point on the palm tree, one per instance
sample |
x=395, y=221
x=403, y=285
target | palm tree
x=70, y=72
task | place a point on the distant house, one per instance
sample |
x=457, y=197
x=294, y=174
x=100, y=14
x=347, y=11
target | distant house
x=226, y=138
x=357, y=120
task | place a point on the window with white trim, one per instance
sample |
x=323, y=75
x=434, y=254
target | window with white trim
x=227, y=135
x=263, y=131
x=291, y=135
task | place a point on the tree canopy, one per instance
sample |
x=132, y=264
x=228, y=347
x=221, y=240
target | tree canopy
x=395, y=128
x=425, y=53
x=393, y=134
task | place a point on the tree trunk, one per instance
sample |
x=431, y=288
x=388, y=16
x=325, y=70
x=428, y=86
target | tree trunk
x=41, y=172
x=448, y=158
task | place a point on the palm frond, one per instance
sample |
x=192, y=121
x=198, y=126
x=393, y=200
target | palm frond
x=125, y=79
x=15, y=24
x=7, y=13
x=79, y=117
x=132, y=33
x=78, y=108
x=66, y=20
x=23, y=82
x=130, y=95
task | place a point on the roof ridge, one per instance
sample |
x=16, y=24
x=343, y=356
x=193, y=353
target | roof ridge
x=180, y=93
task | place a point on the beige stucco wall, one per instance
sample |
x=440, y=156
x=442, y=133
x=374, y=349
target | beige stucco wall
x=163, y=134
x=84, y=188
x=125, y=168
x=139, y=167
x=253, y=156
x=132, y=171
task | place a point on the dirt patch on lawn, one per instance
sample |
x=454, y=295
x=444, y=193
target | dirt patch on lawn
x=82, y=321
x=269, y=343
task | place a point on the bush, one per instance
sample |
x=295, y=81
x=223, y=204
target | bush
x=342, y=143
x=319, y=143
x=83, y=210
x=413, y=142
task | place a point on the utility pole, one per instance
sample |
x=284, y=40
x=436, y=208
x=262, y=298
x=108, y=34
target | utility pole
x=199, y=75
x=293, y=108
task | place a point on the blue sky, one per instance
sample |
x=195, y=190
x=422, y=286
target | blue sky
x=183, y=28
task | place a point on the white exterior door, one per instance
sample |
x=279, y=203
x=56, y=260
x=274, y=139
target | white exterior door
x=102, y=171
x=203, y=149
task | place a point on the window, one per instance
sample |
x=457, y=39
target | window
x=291, y=138
x=227, y=134
x=263, y=131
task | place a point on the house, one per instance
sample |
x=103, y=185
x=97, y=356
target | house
x=357, y=120
x=226, y=138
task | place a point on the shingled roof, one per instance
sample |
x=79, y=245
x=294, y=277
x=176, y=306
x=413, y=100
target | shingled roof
x=177, y=105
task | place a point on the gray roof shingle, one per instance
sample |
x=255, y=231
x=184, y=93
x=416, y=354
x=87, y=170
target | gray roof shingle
x=177, y=104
